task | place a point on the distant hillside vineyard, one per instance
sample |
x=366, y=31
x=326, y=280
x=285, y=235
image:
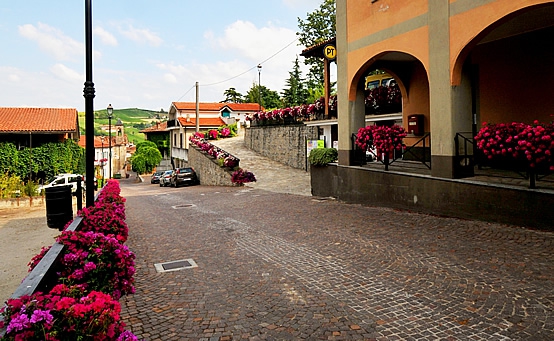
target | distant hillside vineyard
x=133, y=120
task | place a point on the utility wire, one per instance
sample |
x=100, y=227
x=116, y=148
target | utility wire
x=192, y=87
x=255, y=66
x=245, y=72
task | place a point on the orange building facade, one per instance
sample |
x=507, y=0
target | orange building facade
x=459, y=63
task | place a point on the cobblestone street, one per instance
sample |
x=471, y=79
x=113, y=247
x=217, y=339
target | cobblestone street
x=277, y=266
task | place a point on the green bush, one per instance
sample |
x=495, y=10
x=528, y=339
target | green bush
x=9, y=186
x=322, y=156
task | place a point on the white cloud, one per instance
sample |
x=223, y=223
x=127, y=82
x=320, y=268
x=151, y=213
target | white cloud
x=52, y=41
x=255, y=43
x=105, y=37
x=63, y=72
x=170, y=78
x=141, y=36
x=40, y=89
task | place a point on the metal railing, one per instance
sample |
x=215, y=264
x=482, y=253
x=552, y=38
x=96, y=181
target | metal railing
x=425, y=144
x=400, y=152
x=469, y=157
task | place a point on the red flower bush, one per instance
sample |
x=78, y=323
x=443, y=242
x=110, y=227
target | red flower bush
x=529, y=145
x=241, y=176
x=384, y=139
x=95, y=261
x=65, y=313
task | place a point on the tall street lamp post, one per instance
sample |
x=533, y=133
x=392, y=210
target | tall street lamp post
x=102, y=162
x=259, y=87
x=110, y=115
x=88, y=93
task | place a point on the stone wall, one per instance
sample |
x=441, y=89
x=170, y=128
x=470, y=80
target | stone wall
x=285, y=144
x=207, y=169
x=22, y=202
x=450, y=197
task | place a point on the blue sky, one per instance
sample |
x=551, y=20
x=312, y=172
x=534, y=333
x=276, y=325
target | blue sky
x=147, y=54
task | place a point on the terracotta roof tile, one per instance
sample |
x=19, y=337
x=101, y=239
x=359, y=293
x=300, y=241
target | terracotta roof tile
x=38, y=120
x=316, y=50
x=242, y=106
x=99, y=141
x=158, y=127
x=204, y=122
x=216, y=106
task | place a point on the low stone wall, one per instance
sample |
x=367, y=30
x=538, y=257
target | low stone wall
x=450, y=197
x=22, y=202
x=285, y=144
x=207, y=169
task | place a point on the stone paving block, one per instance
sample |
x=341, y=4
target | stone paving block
x=274, y=266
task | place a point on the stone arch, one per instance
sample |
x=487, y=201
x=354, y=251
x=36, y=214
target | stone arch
x=411, y=76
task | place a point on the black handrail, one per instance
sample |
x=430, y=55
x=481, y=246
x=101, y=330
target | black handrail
x=466, y=156
x=360, y=155
x=410, y=150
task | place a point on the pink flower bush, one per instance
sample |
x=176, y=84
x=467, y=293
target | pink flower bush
x=525, y=144
x=65, y=313
x=225, y=132
x=298, y=113
x=224, y=159
x=241, y=176
x=213, y=134
x=96, y=269
x=384, y=139
x=97, y=261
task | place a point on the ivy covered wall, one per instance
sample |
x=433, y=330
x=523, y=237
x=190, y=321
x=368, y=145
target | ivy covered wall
x=42, y=162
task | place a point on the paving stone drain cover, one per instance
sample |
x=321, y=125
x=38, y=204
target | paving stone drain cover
x=177, y=207
x=175, y=265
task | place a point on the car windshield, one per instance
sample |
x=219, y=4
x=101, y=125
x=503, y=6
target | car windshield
x=167, y=172
x=185, y=170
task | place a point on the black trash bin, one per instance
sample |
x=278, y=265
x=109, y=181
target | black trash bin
x=59, y=206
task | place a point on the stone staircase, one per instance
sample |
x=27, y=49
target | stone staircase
x=164, y=165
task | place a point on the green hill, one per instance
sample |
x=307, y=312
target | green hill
x=133, y=120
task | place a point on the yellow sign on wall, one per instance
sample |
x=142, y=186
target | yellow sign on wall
x=330, y=52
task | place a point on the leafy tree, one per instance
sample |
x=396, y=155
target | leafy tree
x=295, y=93
x=232, y=96
x=138, y=163
x=314, y=94
x=144, y=145
x=319, y=26
x=270, y=98
x=146, y=157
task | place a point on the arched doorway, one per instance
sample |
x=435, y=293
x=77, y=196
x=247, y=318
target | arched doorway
x=405, y=74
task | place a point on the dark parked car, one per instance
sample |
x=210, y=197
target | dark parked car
x=165, y=179
x=184, y=176
x=155, y=179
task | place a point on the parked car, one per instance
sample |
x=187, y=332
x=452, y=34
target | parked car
x=184, y=176
x=165, y=178
x=63, y=180
x=155, y=179
x=85, y=183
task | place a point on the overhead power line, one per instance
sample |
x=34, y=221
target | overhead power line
x=255, y=66
x=242, y=73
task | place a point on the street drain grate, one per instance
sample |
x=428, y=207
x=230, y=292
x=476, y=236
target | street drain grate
x=178, y=207
x=175, y=265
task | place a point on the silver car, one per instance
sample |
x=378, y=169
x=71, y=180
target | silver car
x=165, y=178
